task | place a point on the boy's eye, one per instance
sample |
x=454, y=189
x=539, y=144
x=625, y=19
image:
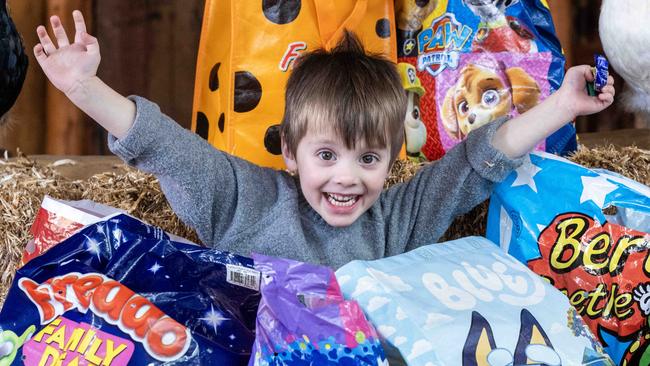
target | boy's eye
x=369, y=159
x=326, y=155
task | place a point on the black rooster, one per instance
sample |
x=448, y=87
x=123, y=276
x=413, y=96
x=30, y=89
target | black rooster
x=13, y=62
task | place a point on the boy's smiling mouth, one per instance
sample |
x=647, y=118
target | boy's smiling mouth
x=341, y=200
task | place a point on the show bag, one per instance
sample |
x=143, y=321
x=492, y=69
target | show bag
x=247, y=51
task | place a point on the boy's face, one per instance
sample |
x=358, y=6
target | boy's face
x=339, y=183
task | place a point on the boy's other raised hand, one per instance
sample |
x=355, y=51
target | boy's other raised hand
x=519, y=135
x=574, y=95
x=67, y=64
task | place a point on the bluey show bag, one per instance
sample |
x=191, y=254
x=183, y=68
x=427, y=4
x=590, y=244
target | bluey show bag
x=586, y=232
x=119, y=292
x=247, y=51
x=477, y=61
x=466, y=302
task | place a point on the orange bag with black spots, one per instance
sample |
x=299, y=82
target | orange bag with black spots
x=246, y=52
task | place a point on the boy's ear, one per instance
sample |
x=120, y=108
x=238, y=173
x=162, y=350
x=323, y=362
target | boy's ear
x=289, y=159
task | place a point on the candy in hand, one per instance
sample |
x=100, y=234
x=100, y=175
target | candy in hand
x=601, y=72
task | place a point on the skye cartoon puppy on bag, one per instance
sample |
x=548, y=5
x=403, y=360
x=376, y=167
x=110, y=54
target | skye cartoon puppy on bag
x=482, y=94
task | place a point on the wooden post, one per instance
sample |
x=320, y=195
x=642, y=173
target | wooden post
x=562, y=12
x=187, y=22
x=25, y=129
x=67, y=128
x=152, y=50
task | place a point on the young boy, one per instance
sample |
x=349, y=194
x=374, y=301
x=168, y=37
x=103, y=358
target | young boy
x=342, y=130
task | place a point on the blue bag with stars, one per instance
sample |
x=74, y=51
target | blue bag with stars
x=120, y=292
x=586, y=232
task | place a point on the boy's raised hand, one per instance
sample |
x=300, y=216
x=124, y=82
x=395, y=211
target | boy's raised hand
x=575, y=97
x=519, y=135
x=68, y=64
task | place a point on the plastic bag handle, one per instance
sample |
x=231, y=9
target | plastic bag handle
x=327, y=27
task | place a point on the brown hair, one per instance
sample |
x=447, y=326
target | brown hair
x=358, y=94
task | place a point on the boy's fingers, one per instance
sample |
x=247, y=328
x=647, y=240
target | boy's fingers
x=92, y=46
x=39, y=53
x=45, y=40
x=59, y=32
x=610, y=80
x=609, y=89
x=79, y=25
x=588, y=73
x=606, y=97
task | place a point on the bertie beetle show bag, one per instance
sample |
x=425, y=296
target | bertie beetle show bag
x=587, y=232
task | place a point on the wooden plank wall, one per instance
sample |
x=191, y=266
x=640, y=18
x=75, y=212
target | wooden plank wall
x=562, y=12
x=149, y=48
x=585, y=42
x=27, y=118
x=67, y=129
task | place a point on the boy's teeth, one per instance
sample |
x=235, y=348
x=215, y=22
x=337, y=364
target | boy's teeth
x=338, y=200
x=341, y=198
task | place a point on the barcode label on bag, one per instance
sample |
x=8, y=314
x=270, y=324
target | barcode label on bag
x=242, y=276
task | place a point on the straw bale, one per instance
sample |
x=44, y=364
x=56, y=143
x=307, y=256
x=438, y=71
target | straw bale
x=24, y=183
x=402, y=171
x=631, y=162
x=140, y=195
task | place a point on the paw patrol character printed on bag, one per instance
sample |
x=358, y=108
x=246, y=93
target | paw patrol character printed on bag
x=497, y=32
x=479, y=60
x=247, y=51
x=587, y=233
x=415, y=132
x=436, y=305
x=485, y=89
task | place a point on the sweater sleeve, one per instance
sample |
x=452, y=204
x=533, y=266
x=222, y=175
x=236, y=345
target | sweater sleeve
x=419, y=211
x=209, y=190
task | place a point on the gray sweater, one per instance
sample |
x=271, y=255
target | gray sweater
x=240, y=207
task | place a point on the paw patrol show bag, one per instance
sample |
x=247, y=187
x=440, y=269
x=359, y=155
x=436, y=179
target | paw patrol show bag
x=437, y=305
x=587, y=232
x=247, y=51
x=477, y=60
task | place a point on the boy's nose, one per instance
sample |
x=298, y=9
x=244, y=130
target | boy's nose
x=346, y=176
x=346, y=180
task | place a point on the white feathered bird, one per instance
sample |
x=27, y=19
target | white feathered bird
x=626, y=40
